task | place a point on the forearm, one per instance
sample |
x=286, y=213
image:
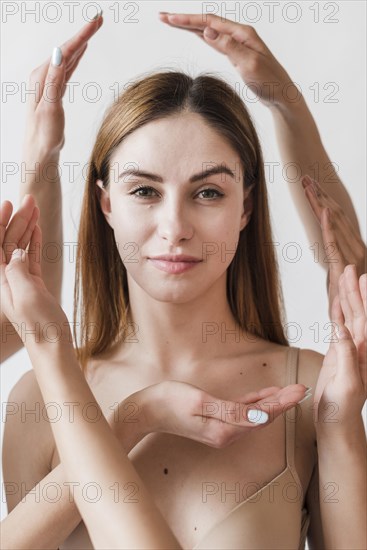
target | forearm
x=46, y=523
x=343, y=486
x=41, y=178
x=302, y=152
x=133, y=522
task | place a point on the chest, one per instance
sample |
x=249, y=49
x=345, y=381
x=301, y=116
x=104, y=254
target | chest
x=195, y=486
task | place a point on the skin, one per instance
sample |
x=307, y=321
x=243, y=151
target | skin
x=168, y=363
x=298, y=139
x=176, y=218
x=26, y=299
x=43, y=141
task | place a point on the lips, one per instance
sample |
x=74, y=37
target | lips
x=176, y=258
x=174, y=267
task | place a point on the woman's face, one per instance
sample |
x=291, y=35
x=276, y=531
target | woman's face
x=179, y=214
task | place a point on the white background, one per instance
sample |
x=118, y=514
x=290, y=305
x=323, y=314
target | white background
x=322, y=46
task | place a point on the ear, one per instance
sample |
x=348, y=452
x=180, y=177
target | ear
x=104, y=201
x=247, y=208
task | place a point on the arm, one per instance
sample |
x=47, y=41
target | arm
x=297, y=134
x=42, y=180
x=45, y=524
x=299, y=142
x=343, y=489
x=340, y=395
x=42, y=145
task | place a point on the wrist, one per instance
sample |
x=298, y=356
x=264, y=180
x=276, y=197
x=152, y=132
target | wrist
x=335, y=437
x=288, y=107
x=134, y=417
x=39, y=168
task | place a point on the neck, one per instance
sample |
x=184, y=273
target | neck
x=173, y=337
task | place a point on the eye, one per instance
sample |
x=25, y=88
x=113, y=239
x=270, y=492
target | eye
x=208, y=189
x=142, y=188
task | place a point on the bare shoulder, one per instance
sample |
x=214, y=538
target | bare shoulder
x=28, y=442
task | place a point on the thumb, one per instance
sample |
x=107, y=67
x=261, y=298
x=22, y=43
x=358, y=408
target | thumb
x=17, y=272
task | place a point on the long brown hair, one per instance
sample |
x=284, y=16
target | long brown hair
x=101, y=293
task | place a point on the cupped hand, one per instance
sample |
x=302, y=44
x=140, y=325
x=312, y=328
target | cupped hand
x=45, y=113
x=341, y=389
x=186, y=410
x=247, y=52
x=30, y=307
x=342, y=245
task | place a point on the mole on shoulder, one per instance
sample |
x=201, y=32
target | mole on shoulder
x=195, y=528
x=241, y=372
x=165, y=471
x=265, y=364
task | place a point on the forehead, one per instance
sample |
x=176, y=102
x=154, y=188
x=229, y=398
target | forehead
x=180, y=144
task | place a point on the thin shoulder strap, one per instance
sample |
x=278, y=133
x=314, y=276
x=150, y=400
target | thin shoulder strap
x=291, y=414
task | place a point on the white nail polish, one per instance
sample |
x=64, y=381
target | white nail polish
x=56, y=57
x=257, y=417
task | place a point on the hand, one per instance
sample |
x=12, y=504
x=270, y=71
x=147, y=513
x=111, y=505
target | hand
x=25, y=300
x=17, y=233
x=182, y=409
x=45, y=113
x=341, y=389
x=257, y=66
x=342, y=245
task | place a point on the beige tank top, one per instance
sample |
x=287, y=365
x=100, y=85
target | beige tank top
x=273, y=517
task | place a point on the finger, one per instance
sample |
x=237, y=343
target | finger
x=244, y=34
x=355, y=302
x=26, y=237
x=68, y=50
x=349, y=240
x=336, y=262
x=17, y=273
x=71, y=68
x=164, y=17
x=18, y=226
x=314, y=202
x=81, y=37
x=242, y=414
x=254, y=396
x=347, y=310
x=346, y=352
x=363, y=289
x=35, y=252
x=6, y=210
x=336, y=316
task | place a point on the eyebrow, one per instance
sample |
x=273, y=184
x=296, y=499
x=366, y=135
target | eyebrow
x=196, y=177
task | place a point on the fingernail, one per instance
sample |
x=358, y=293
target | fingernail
x=210, y=33
x=17, y=253
x=56, y=57
x=98, y=14
x=257, y=417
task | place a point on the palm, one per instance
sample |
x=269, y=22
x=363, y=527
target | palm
x=336, y=385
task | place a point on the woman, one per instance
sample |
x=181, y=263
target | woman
x=196, y=224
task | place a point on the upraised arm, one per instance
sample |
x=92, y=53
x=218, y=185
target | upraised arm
x=42, y=145
x=298, y=137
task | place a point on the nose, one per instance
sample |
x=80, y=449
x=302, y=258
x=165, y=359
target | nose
x=173, y=221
